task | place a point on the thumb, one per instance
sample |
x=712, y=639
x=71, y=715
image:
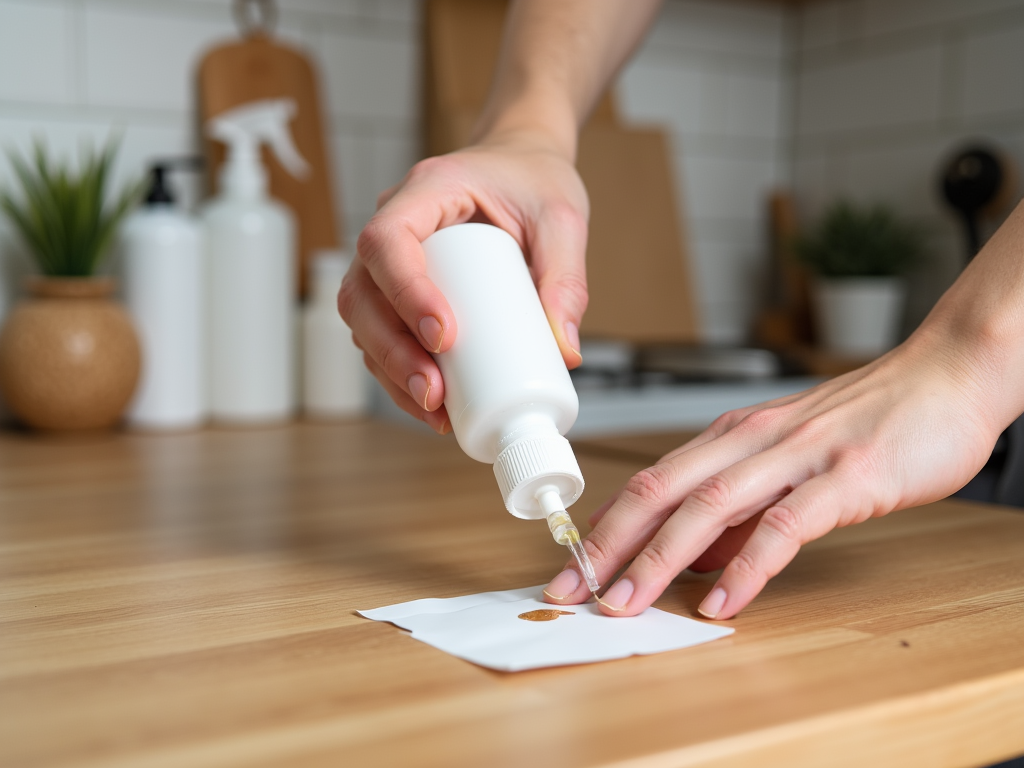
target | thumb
x=557, y=255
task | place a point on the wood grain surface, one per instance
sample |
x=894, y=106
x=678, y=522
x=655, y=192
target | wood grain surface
x=188, y=600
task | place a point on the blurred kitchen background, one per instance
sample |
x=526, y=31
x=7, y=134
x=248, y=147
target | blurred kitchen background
x=834, y=99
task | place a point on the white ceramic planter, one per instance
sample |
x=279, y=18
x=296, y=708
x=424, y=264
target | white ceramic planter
x=858, y=316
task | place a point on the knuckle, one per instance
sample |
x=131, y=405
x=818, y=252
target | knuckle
x=566, y=216
x=857, y=460
x=599, y=547
x=726, y=421
x=744, y=566
x=348, y=296
x=386, y=359
x=650, y=486
x=373, y=240
x=762, y=420
x=784, y=522
x=713, y=495
x=432, y=166
x=575, y=285
x=655, y=557
x=402, y=294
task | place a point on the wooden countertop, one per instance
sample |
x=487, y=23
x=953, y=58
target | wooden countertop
x=188, y=600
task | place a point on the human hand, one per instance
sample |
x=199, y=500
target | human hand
x=398, y=316
x=910, y=428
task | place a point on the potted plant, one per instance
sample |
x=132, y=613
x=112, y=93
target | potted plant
x=69, y=357
x=857, y=256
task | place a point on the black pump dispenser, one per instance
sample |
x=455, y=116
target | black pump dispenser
x=159, y=193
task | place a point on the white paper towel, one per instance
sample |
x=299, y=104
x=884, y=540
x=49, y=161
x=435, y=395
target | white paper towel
x=486, y=629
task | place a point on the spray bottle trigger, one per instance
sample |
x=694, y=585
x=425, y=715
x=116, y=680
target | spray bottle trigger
x=245, y=127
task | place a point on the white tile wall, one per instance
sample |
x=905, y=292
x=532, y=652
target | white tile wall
x=992, y=79
x=858, y=98
x=886, y=89
x=145, y=58
x=880, y=17
x=370, y=77
x=871, y=90
x=715, y=73
x=35, y=48
x=711, y=71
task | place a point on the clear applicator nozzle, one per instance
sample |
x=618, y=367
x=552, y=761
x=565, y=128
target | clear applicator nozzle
x=567, y=534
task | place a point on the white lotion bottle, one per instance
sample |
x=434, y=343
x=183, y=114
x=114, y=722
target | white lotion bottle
x=251, y=246
x=163, y=281
x=507, y=390
x=334, y=383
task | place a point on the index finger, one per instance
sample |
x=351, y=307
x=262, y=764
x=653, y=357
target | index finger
x=390, y=246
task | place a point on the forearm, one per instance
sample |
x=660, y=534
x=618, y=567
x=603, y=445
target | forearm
x=557, y=58
x=981, y=317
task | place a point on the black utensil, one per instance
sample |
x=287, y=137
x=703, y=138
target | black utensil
x=973, y=178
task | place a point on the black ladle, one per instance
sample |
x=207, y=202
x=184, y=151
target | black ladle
x=971, y=181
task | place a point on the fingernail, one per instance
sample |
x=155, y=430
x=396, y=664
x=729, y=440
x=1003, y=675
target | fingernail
x=712, y=605
x=419, y=388
x=432, y=332
x=617, y=597
x=563, y=585
x=572, y=338
x=446, y=427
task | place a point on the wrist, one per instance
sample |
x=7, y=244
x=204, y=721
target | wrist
x=978, y=345
x=544, y=120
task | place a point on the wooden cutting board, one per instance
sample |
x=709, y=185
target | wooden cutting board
x=638, y=266
x=259, y=67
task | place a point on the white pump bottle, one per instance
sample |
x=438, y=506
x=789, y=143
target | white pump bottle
x=507, y=390
x=250, y=242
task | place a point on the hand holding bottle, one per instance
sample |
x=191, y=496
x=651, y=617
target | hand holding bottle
x=398, y=316
x=908, y=429
x=518, y=175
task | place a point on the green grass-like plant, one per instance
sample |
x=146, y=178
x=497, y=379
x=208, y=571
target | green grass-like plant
x=62, y=215
x=852, y=241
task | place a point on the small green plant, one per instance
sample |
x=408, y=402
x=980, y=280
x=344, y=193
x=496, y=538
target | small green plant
x=62, y=214
x=852, y=241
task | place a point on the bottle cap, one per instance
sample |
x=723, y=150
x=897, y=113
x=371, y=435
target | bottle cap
x=530, y=464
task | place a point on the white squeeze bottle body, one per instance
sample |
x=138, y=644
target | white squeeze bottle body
x=507, y=391
x=250, y=240
x=334, y=378
x=164, y=275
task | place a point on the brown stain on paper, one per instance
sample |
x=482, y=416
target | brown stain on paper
x=544, y=615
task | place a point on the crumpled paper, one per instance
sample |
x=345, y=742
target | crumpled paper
x=486, y=629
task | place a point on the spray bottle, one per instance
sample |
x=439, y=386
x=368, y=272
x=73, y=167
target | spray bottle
x=250, y=240
x=507, y=391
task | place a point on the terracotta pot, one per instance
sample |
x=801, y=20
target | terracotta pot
x=69, y=357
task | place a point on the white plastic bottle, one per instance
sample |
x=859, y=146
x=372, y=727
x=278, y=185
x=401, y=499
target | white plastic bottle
x=250, y=241
x=507, y=390
x=163, y=281
x=334, y=381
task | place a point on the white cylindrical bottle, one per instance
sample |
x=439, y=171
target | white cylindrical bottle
x=163, y=277
x=250, y=245
x=507, y=390
x=334, y=381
